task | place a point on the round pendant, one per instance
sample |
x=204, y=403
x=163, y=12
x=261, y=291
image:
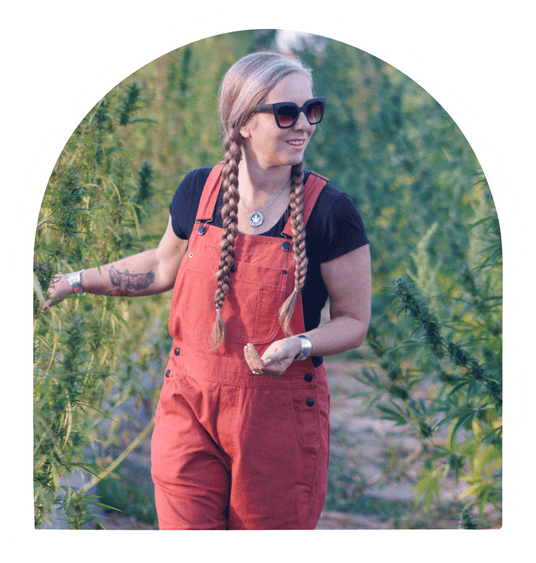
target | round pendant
x=256, y=219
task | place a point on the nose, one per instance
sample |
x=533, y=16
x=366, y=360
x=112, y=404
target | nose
x=302, y=123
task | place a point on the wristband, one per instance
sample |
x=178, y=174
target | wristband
x=75, y=281
x=306, y=348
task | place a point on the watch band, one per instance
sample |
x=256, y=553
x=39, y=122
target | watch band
x=75, y=280
x=306, y=348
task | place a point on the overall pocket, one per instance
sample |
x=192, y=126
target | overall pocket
x=250, y=309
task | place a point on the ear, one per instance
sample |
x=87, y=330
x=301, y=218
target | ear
x=244, y=131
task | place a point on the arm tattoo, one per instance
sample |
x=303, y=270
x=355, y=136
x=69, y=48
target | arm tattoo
x=127, y=284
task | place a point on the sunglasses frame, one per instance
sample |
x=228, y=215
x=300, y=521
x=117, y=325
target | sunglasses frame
x=273, y=108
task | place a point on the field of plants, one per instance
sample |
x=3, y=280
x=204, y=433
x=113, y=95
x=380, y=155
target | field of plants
x=431, y=366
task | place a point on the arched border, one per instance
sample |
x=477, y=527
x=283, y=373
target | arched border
x=445, y=541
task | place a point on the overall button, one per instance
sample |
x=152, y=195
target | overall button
x=286, y=246
x=310, y=402
x=177, y=351
x=308, y=377
x=167, y=373
x=202, y=229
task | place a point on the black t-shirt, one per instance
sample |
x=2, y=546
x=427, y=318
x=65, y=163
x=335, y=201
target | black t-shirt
x=334, y=228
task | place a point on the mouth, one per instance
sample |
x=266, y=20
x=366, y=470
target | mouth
x=298, y=143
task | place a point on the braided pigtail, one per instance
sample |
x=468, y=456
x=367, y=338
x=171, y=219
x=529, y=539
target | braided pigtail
x=229, y=214
x=297, y=221
x=245, y=85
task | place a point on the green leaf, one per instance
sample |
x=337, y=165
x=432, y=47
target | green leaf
x=394, y=415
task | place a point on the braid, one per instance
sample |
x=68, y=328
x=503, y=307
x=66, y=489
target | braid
x=230, y=230
x=246, y=84
x=298, y=238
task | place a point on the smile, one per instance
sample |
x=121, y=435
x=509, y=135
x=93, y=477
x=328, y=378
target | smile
x=296, y=142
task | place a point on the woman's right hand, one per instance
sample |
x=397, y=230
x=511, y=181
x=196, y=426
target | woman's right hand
x=59, y=289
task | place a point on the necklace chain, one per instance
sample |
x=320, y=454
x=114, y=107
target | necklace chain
x=256, y=218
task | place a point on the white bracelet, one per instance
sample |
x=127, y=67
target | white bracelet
x=75, y=281
x=306, y=348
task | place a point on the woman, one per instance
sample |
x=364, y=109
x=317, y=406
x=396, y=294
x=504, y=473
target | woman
x=253, y=249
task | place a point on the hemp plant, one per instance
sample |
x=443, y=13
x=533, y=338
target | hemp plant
x=90, y=215
x=442, y=377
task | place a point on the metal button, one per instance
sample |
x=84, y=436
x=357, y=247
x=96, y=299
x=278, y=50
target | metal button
x=286, y=246
x=310, y=402
x=308, y=377
x=168, y=373
x=177, y=351
x=202, y=229
x=285, y=272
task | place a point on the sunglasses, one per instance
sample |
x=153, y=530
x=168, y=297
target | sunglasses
x=286, y=113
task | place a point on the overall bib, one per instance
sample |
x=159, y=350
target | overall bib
x=230, y=449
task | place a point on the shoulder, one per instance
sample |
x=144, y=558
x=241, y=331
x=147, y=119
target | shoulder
x=190, y=188
x=335, y=224
x=332, y=203
x=185, y=202
x=194, y=180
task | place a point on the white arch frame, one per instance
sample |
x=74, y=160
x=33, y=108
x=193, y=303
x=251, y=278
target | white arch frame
x=508, y=539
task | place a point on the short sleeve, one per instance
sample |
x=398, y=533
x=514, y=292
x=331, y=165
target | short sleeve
x=336, y=225
x=345, y=229
x=183, y=207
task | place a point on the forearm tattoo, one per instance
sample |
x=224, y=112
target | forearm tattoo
x=127, y=284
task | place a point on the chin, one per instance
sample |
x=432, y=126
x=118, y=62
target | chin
x=295, y=158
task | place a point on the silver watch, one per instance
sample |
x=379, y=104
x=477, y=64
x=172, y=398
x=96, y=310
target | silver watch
x=306, y=348
x=75, y=279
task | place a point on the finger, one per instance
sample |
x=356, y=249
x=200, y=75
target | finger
x=275, y=357
x=49, y=302
x=55, y=280
x=248, y=358
x=253, y=354
x=253, y=359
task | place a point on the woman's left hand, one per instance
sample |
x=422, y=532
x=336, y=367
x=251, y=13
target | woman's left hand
x=276, y=359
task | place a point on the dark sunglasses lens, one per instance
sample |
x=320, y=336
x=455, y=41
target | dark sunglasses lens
x=286, y=115
x=314, y=112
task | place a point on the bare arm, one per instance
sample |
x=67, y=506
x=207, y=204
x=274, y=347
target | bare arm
x=146, y=273
x=348, y=281
x=349, y=285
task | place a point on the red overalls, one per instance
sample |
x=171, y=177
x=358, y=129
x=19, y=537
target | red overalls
x=230, y=449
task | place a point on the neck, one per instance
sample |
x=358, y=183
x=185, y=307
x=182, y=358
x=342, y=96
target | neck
x=254, y=178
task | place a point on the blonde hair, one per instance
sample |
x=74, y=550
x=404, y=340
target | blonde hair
x=245, y=85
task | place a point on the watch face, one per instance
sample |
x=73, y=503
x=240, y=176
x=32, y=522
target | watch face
x=74, y=279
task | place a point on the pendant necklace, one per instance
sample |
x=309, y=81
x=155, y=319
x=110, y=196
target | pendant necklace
x=256, y=218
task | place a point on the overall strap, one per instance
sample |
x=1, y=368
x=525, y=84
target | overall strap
x=311, y=191
x=209, y=197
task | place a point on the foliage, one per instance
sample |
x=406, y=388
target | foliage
x=435, y=244
x=443, y=376
x=434, y=240
x=90, y=215
x=131, y=492
x=98, y=359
